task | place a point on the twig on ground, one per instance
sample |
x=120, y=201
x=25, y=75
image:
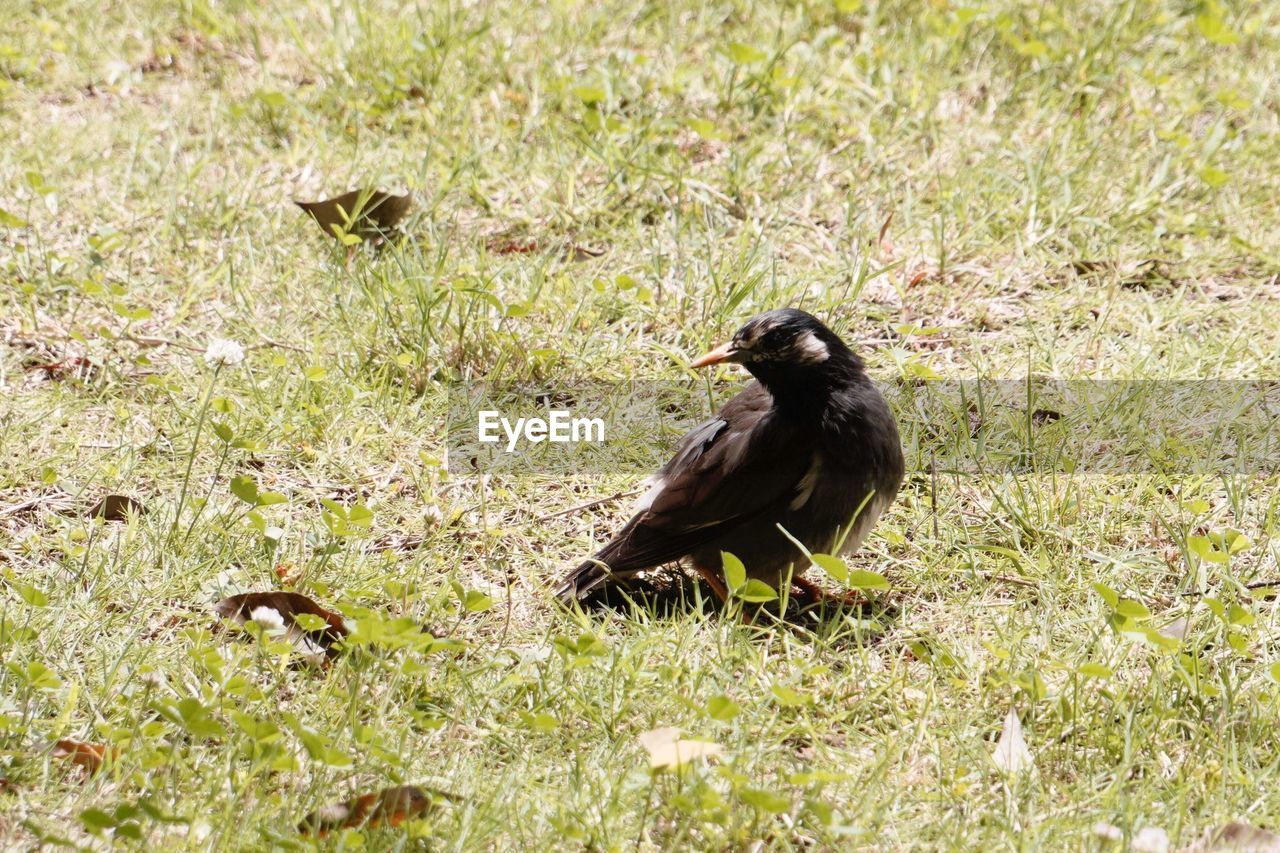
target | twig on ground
x=153, y=341
x=588, y=505
x=994, y=578
x=1252, y=585
x=32, y=502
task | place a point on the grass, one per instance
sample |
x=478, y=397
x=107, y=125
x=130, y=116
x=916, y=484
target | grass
x=1080, y=191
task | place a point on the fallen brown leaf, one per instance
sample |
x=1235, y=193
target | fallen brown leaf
x=392, y=806
x=883, y=239
x=90, y=756
x=77, y=367
x=1143, y=272
x=975, y=421
x=369, y=214
x=159, y=62
x=282, y=609
x=1236, y=837
x=513, y=247
x=287, y=573
x=116, y=508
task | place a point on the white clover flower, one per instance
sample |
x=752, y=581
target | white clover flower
x=1151, y=839
x=223, y=353
x=154, y=678
x=1107, y=832
x=268, y=618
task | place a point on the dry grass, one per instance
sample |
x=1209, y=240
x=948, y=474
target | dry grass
x=1082, y=191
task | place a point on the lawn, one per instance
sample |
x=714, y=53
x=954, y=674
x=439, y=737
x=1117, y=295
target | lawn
x=995, y=201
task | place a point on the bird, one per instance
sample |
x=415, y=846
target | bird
x=810, y=446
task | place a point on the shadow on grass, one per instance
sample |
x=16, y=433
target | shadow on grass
x=671, y=592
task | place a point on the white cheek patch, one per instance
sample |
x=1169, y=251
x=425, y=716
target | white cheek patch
x=810, y=350
x=751, y=335
x=656, y=485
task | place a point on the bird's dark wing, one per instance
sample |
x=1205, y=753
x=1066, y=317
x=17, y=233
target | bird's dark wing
x=726, y=472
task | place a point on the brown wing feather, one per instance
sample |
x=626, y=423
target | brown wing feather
x=727, y=472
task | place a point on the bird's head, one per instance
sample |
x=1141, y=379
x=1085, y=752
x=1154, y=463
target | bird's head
x=784, y=345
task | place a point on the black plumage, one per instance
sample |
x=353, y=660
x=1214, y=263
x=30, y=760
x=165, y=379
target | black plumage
x=803, y=446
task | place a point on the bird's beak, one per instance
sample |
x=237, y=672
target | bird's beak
x=724, y=352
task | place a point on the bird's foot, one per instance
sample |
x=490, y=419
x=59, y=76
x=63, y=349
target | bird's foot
x=712, y=577
x=813, y=595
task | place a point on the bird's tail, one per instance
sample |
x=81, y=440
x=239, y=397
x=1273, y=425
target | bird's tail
x=581, y=581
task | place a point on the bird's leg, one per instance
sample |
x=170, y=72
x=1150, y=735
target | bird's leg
x=711, y=576
x=818, y=595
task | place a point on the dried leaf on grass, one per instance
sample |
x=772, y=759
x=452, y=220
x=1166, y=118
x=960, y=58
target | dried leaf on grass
x=668, y=750
x=1177, y=629
x=369, y=214
x=1012, y=755
x=513, y=247
x=527, y=245
x=311, y=628
x=116, y=508
x=90, y=756
x=1140, y=272
x=1236, y=837
x=287, y=573
x=76, y=367
x=391, y=806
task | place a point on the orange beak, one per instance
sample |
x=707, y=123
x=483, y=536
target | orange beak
x=724, y=352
